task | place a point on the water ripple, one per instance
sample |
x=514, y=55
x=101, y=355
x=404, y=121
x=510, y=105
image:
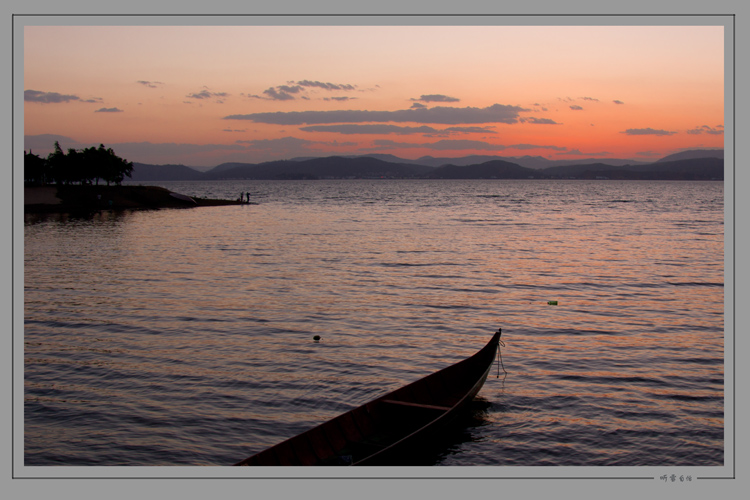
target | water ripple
x=185, y=337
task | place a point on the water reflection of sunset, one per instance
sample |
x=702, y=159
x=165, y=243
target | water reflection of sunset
x=205, y=318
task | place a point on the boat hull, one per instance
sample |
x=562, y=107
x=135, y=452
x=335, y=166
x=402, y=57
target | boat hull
x=382, y=431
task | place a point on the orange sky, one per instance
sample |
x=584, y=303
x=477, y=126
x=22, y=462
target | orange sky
x=204, y=95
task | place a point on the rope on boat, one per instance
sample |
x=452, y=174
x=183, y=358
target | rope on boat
x=500, y=358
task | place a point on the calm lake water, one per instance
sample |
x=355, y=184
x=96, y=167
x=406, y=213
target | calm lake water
x=185, y=337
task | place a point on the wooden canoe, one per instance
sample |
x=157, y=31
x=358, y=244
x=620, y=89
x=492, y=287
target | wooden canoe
x=383, y=431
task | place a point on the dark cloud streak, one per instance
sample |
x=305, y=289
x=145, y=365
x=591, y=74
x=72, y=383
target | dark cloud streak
x=326, y=86
x=436, y=98
x=206, y=94
x=278, y=95
x=646, y=131
x=497, y=113
x=48, y=97
x=394, y=129
x=149, y=84
x=705, y=129
x=539, y=121
x=369, y=129
x=293, y=89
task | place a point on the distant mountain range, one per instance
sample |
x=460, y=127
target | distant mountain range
x=524, y=161
x=704, y=164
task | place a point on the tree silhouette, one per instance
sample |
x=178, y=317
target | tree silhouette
x=110, y=167
x=35, y=170
x=56, y=163
x=86, y=166
x=74, y=167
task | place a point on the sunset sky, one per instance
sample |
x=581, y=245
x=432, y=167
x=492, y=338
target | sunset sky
x=201, y=95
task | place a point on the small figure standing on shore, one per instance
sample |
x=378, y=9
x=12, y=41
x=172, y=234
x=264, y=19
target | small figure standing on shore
x=248, y=196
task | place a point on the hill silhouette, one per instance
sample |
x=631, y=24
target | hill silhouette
x=694, y=153
x=319, y=168
x=688, y=165
x=496, y=169
x=145, y=172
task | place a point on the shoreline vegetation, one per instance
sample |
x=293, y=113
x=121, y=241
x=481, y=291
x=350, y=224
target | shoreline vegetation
x=92, y=198
x=74, y=182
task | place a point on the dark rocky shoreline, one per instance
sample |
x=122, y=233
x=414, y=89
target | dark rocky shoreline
x=88, y=198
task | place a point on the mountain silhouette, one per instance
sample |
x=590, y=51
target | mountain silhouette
x=688, y=165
